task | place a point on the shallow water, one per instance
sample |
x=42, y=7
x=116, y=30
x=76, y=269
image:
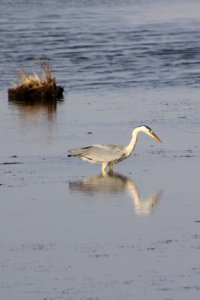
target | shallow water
x=67, y=231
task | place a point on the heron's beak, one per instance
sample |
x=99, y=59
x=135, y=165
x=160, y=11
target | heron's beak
x=155, y=137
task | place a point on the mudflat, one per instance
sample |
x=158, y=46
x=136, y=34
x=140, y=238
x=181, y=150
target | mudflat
x=67, y=231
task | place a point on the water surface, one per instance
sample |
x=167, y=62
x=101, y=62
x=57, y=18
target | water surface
x=103, y=44
x=66, y=230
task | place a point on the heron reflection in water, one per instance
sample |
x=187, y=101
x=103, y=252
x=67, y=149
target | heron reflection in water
x=114, y=183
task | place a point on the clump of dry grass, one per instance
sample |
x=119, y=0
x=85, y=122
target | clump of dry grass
x=35, y=80
x=35, y=85
x=29, y=80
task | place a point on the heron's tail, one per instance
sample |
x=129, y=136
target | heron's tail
x=78, y=151
x=74, y=152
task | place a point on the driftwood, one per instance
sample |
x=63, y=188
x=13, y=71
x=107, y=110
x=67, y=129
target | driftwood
x=34, y=88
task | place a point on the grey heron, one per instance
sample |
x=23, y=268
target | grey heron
x=109, y=155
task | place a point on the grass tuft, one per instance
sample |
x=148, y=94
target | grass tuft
x=35, y=85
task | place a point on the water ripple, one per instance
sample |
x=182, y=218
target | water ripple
x=100, y=45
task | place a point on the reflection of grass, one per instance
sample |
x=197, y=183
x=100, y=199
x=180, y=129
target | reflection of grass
x=35, y=86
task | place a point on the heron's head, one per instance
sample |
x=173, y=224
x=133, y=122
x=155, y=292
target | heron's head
x=149, y=131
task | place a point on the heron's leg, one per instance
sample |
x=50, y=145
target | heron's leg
x=111, y=167
x=104, y=165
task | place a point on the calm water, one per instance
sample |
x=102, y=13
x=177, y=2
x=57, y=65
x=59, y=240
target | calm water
x=103, y=44
x=66, y=231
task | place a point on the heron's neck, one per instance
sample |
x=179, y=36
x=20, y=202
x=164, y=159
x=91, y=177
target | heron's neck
x=129, y=149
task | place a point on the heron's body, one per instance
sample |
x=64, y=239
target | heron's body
x=109, y=155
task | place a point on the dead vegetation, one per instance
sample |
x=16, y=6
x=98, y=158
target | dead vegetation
x=36, y=87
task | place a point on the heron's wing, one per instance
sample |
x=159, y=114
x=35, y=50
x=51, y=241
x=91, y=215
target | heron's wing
x=105, y=153
x=99, y=153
